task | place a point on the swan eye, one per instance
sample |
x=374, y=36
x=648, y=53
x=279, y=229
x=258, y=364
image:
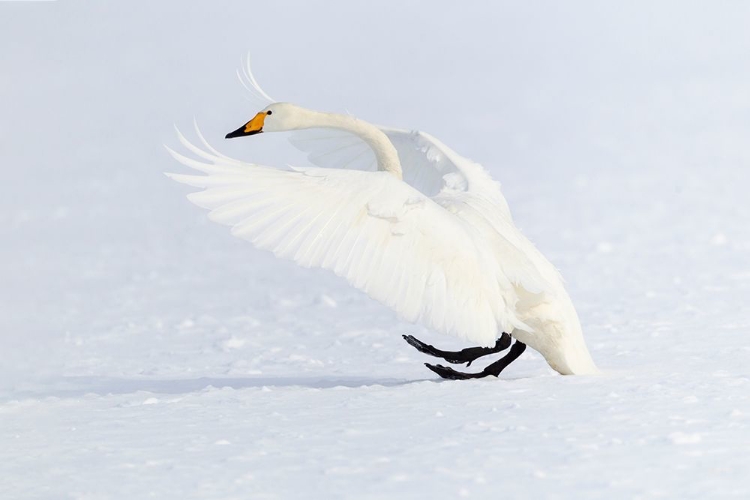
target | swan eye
x=269, y=112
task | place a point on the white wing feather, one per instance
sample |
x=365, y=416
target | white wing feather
x=332, y=148
x=248, y=81
x=426, y=167
x=404, y=249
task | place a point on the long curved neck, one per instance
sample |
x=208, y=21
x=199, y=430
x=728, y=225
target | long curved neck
x=385, y=153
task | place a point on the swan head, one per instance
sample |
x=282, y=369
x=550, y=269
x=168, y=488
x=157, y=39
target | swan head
x=276, y=117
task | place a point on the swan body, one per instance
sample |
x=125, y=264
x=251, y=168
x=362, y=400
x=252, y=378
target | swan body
x=404, y=219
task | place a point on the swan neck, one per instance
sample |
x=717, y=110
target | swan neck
x=385, y=153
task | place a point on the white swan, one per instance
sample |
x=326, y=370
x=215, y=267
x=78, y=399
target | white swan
x=410, y=222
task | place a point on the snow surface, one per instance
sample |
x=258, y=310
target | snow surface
x=148, y=354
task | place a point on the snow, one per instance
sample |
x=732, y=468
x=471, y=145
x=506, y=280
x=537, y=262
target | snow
x=147, y=353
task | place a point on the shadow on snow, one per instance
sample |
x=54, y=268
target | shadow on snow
x=80, y=386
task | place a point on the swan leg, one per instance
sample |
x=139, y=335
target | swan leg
x=493, y=369
x=463, y=356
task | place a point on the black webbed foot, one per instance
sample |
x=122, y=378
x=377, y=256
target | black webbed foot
x=493, y=369
x=457, y=357
x=450, y=373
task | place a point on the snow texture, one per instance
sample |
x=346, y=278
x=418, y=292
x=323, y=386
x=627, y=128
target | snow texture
x=148, y=354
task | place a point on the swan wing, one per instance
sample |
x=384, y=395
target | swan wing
x=386, y=238
x=428, y=165
x=334, y=148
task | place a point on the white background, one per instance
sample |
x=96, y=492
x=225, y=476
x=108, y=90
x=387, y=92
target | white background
x=146, y=353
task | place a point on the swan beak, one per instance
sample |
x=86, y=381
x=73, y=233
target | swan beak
x=254, y=126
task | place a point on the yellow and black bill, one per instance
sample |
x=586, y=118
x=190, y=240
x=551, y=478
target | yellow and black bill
x=254, y=126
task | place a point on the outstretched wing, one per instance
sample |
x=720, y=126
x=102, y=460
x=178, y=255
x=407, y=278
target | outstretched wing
x=428, y=166
x=333, y=148
x=385, y=237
